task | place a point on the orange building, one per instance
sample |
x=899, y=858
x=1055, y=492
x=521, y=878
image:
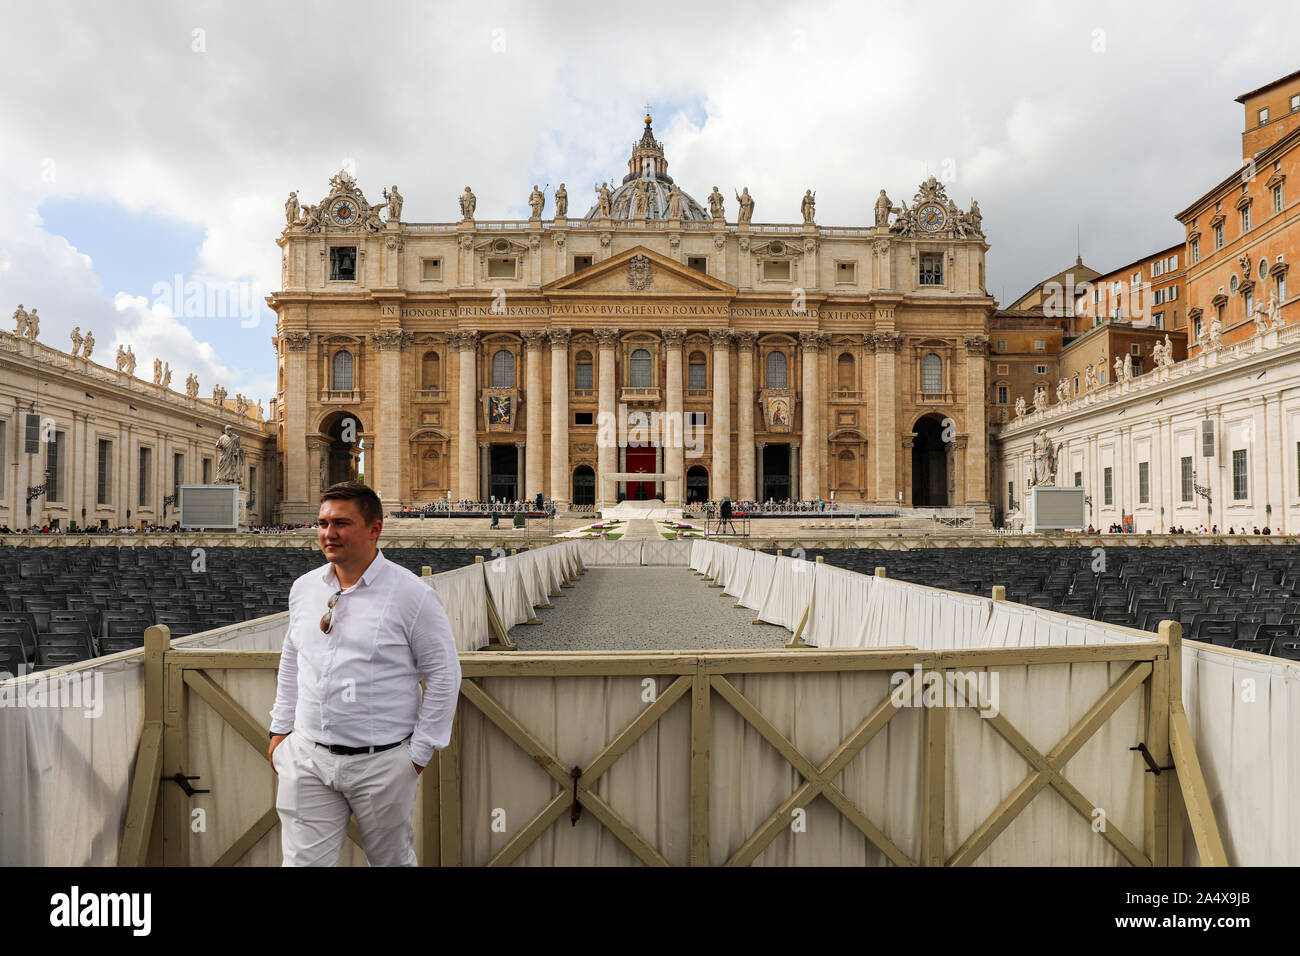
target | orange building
x=1024, y=356
x=1147, y=292
x=1242, y=235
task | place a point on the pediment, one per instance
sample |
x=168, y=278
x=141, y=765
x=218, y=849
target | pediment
x=639, y=271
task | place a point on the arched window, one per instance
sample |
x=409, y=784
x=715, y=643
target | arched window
x=430, y=371
x=584, y=377
x=846, y=375
x=775, y=370
x=931, y=374
x=503, y=369
x=697, y=372
x=639, y=373
x=342, y=378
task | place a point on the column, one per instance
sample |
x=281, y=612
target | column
x=299, y=503
x=484, y=469
x=466, y=341
x=673, y=433
x=521, y=463
x=758, y=459
x=746, y=490
x=885, y=344
x=809, y=409
x=560, y=415
x=531, y=475
x=721, y=424
x=391, y=344
x=796, y=469
x=974, y=488
x=607, y=430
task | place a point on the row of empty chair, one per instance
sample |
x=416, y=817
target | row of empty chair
x=1234, y=596
x=63, y=605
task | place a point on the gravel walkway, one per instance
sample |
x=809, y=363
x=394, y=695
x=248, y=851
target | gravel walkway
x=640, y=609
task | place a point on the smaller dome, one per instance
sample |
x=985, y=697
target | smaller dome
x=647, y=164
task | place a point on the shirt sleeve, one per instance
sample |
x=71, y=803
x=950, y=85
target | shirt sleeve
x=286, y=686
x=434, y=647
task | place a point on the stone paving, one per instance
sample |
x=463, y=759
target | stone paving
x=641, y=609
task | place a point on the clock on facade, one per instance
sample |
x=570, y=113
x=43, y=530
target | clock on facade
x=344, y=212
x=932, y=217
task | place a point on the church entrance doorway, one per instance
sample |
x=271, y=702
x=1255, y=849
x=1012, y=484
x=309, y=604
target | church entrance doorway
x=584, y=485
x=929, y=465
x=697, y=484
x=640, y=457
x=503, y=471
x=776, y=473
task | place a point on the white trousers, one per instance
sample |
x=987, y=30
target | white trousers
x=318, y=791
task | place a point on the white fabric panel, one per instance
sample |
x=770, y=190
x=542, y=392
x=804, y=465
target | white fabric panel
x=1043, y=702
x=576, y=550
x=1016, y=625
x=464, y=597
x=665, y=553
x=67, y=770
x=899, y=613
x=790, y=592
x=532, y=569
x=598, y=552
x=738, y=576
x=698, y=549
x=551, y=565
x=838, y=601
x=1244, y=714
x=506, y=583
x=760, y=580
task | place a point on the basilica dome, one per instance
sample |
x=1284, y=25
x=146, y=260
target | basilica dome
x=647, y=163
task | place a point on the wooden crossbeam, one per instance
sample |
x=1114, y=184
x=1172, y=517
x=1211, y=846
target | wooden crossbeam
x=818, y=781
x=550, y=763
x=1196, y=795
x=1047, y=771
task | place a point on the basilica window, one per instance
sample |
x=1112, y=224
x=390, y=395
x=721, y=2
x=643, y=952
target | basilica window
x=342, y=377
x=430, y=269
x=503, y=369
x=583, y=376
x=501, y=268
x=1218, y=236
x=1002, y=394
x=932, y=374
x=430, y=371
x=776, y=367
x=931, y=269
x=777, y=269
x=698, y=263
x=581, y=262
x=697, y=373
x=639, y=371
x=343, y=263
x=846, y=372
x=846, y=273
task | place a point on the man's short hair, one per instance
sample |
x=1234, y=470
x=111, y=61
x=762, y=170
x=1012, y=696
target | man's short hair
x=367, y=501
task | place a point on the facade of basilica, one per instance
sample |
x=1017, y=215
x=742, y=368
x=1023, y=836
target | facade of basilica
x=648, y=348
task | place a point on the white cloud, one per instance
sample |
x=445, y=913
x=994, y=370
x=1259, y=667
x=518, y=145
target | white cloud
x=840, y=97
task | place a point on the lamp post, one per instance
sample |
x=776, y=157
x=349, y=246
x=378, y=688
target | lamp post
x=1203, y=491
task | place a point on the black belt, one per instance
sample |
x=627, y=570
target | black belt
x=340, y=750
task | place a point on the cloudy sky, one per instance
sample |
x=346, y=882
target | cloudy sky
x=146, y=149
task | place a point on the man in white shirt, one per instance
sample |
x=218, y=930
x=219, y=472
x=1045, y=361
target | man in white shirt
x=350, y=733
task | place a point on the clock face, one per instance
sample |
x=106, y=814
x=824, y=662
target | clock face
x=932, y=217
x=344, y=212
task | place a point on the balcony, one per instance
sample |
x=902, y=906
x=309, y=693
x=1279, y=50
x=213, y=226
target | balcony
x=583, y=393
x=699, y=393
x=342, y=397
x=934, y=398
x=847, y=395
x=431, y=395
x=639, y=396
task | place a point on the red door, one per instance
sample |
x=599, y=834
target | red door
x=640, y=458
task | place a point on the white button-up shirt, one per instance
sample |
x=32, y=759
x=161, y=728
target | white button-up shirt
x=359, y=685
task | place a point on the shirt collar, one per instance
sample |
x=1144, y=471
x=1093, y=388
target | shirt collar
x=367, y=578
